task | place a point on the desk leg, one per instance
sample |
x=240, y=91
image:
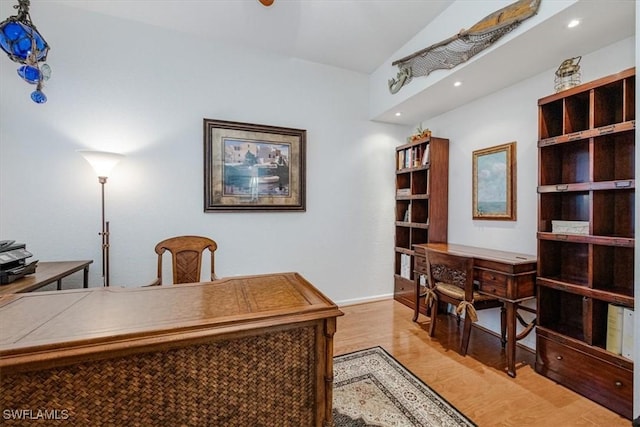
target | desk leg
x=329, y=331
x=416, y=297
x=85, y=277
x=511, y=338
x=59, y=284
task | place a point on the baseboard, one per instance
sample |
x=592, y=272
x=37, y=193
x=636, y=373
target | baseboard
x=355, y=301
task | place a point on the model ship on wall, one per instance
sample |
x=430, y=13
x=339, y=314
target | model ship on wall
x=459, y=48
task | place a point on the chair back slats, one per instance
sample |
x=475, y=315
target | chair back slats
x=187, y=267
x=186, y=257
x=454, y=269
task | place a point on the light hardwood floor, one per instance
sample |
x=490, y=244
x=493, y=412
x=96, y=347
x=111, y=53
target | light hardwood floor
x=476, y=384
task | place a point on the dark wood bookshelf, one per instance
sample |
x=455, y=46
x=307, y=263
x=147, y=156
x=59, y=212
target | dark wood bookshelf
x=422, y=173
x=586, y=149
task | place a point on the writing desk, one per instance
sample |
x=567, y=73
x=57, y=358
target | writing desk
x=46, y=273
x=238, y=351
x=507, y=276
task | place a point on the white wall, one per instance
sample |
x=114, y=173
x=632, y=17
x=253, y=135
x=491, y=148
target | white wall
x=505, y=116
x=143, y=92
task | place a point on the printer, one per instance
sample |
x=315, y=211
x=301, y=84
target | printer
x=13, y=261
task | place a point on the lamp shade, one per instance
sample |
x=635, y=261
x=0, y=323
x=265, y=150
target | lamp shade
x=101, y=161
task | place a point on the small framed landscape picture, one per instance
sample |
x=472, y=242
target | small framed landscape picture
x=250, y=167
x=494, y=183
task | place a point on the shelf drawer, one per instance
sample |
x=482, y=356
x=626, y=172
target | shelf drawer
x=492, y=282
x=404, y=291
x=599, y=380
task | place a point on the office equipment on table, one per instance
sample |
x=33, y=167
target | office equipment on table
x=239, y=351
x=450, y=281
x=13, y=261
x=507, y=276
x=48, y=272
x=186, y=257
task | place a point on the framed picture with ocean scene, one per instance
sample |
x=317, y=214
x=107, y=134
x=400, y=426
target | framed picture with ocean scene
x=251, y=167
x=494, y=183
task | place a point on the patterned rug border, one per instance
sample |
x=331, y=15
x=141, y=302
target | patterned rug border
x=404, y=372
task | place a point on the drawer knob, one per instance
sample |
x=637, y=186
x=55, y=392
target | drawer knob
x=618, y=384
x=559, y=357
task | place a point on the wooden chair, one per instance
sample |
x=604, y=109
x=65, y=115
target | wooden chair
x=450, y=280
x=186, y=255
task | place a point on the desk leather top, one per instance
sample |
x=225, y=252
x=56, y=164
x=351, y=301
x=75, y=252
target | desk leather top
x=42, y=324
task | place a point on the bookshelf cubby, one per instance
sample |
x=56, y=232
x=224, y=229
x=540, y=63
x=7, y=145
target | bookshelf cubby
x=586, y=150
x=422, y=173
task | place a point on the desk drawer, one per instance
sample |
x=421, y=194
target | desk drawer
x=420, y=264
x=597, y=379
x=492, y=282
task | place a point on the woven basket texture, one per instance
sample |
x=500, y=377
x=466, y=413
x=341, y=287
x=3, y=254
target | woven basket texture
x=263, y=380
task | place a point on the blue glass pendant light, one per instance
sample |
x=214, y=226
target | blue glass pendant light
x=22, y=42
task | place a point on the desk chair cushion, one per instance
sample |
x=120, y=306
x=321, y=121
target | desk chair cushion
x=456, y=292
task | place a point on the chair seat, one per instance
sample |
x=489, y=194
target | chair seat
x=454, y=291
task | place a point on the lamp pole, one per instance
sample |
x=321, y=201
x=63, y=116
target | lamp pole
x=105, y=238
x=102, y=163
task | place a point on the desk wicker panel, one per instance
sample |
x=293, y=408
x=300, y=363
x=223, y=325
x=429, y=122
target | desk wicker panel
x=263, y=380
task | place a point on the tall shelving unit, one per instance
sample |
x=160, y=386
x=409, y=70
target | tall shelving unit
x=422, y=174
x=586, y=150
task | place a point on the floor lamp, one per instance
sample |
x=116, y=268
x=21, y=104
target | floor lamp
x=102, y=163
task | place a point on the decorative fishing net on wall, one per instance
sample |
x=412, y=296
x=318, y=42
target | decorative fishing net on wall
x=459, y=48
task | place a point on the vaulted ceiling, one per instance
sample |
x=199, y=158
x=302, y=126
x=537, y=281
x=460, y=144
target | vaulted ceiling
x=361, y=35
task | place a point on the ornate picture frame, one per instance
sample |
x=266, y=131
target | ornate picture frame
x=253, y=167
x=494, y=183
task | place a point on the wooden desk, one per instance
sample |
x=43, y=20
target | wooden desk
x=242, y=351
x=508, y=276
x=46, y=273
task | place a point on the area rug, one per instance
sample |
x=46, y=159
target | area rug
x=371, y=388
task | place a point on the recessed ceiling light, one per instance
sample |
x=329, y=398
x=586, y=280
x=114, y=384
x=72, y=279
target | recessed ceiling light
x=573, y=23
x=398, y=114
x=458, y=83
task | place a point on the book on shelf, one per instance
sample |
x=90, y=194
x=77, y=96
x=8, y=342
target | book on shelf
x=425, y=155
x=407, y=214
x=412, y=157
x=403, y=192
x=401, y=159
x=417, y=158
x=405, y=266
x=614, y=328
x=627, y=333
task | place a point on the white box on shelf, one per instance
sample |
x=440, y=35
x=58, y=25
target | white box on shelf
x=570, y=227
x=627, y=333
x=614, y=328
